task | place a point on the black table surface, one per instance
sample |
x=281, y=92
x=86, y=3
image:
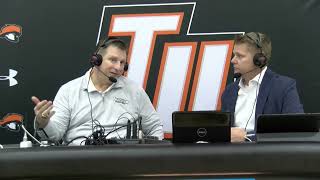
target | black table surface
x=162, y=160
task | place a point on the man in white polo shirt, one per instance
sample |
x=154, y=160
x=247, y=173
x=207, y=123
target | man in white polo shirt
x=101, y=103
x=258, y=90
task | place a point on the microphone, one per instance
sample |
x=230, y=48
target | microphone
x=134, y=130
x=140, y=133
x=112, y=79
x=238, y=75
x=96, y=60
x=128, y=130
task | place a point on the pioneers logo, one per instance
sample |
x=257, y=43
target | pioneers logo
x=179, y=68
x=11, y=32
x=11, y=121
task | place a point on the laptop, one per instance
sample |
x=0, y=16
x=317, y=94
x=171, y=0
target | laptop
x=201, y=126
x=288, y=127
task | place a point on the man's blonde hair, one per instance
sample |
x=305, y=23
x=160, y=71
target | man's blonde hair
x=259, y=41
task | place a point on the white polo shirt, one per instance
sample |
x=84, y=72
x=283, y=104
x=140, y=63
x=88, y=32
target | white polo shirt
x=121, y=102
x=246, y=102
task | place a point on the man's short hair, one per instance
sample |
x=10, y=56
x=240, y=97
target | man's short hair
x=111, y=41
x=257, y=40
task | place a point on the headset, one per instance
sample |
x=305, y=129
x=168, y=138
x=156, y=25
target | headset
x=96, y=58
x=259, y=59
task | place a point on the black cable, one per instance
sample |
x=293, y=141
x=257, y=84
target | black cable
x=152, y=128
x=101, y=129
x=119, y=128
x=114, y=126
x=98, y=129
x=91, y=71
x=99, y=138
x=76, y=139
x=254, y=104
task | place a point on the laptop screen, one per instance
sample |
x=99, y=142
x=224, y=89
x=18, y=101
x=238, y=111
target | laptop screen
x=278, y=123
x=206, y=126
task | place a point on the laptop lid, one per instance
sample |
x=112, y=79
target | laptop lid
x=288, y=127
x=277, y=123
x=201, y=126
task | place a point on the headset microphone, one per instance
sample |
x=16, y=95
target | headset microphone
x=112, y=79
x=96, y=59
x=95, y=62
x=238, y=75
x=259, y=59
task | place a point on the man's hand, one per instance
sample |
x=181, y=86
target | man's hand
x=238, y=134
x=42, y=111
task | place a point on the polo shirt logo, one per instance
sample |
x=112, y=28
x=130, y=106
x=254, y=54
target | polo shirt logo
x=120, y=100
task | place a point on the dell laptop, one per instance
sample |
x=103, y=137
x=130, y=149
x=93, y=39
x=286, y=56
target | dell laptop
x=288, y=127
x=201, y=126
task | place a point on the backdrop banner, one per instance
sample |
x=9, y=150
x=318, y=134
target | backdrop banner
x=179, y=52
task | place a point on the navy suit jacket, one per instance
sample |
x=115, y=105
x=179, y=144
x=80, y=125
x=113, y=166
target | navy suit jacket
x=277, y=95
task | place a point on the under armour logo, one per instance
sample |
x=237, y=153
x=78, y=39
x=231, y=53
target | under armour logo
x=12, y=80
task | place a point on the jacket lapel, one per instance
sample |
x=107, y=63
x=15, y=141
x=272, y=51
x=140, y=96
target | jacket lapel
x=233, y=98
x=264, y=90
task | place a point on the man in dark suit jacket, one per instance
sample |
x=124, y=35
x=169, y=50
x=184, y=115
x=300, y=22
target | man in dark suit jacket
x=257, y=88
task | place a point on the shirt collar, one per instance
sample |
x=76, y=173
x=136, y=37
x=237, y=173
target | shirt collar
x=257, y=79
x=87, y=83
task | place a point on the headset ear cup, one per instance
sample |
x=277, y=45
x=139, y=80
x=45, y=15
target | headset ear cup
x=96, y=60
x=260, y=60
x=126, y=67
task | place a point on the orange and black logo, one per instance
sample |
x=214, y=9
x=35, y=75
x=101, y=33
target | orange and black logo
x=180, y=69
x=11, y=121
x=11, y=32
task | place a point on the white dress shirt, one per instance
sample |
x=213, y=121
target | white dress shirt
x=246, y=102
